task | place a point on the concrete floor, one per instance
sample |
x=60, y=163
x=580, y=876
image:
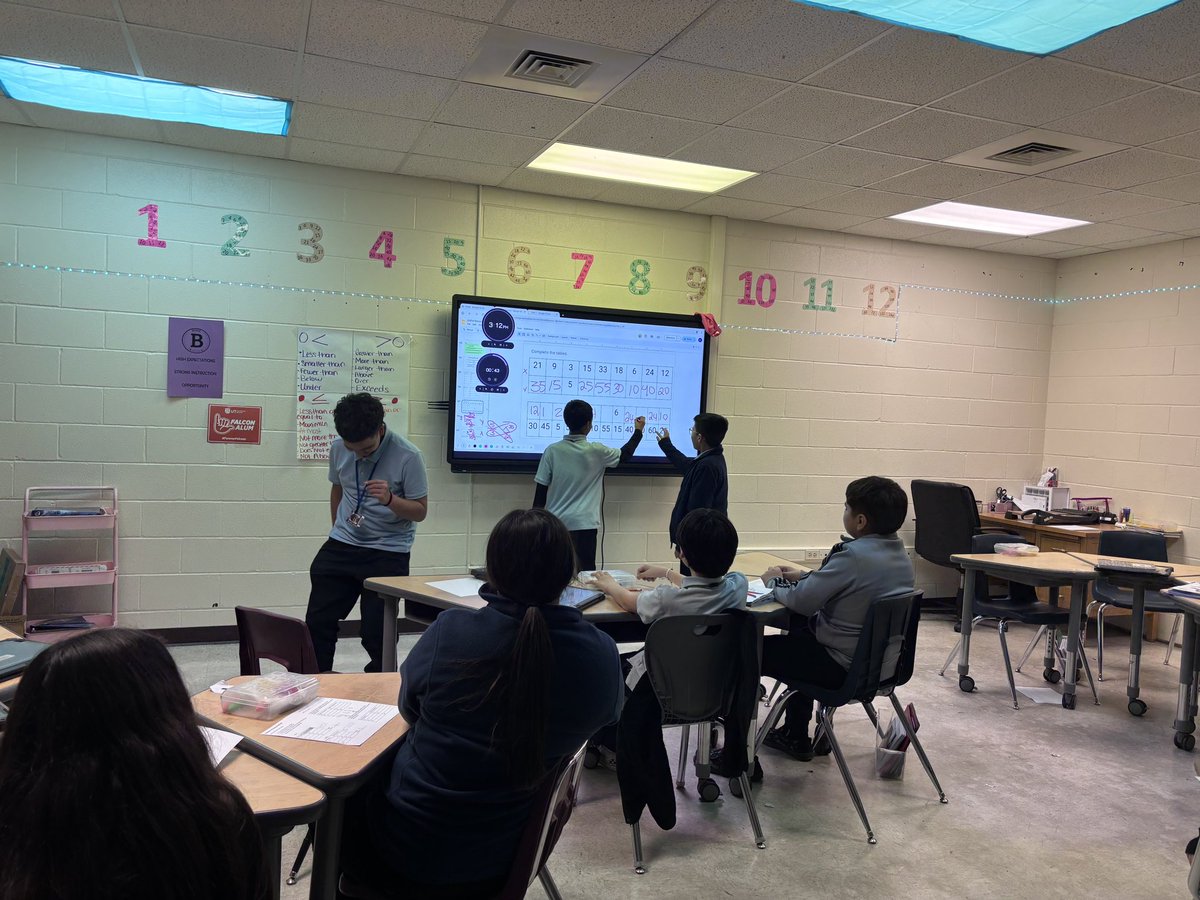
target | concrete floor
x=1044, y=802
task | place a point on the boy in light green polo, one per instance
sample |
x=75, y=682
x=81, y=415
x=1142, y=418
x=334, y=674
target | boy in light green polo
x=569, y=476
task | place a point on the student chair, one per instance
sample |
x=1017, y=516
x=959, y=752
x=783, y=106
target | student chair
x=947, y=518
x=1133, y=545
x=1021, y=605
x=699, y=676
x=552, y=807
x=883, y=661
x=286, y=641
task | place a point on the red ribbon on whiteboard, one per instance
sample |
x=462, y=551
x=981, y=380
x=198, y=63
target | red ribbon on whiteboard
x=710, y=323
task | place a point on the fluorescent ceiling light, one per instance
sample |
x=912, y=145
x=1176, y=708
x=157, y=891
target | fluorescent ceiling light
x=987, y=218
x=1028, y=26
x=141, y=98
x=592, y=162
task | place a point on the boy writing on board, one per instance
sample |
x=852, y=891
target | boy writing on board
x=705, y=478
x=569, y=476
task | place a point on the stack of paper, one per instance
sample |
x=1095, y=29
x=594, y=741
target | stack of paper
x=1192, y=590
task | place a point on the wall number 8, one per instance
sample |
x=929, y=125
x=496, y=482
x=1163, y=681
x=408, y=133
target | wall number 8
x=639, y=284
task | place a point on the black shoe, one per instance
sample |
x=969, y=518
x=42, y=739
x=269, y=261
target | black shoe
x=796, y=748
x=714, y=758
x=822, y=747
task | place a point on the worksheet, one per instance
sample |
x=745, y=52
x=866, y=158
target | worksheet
x=334, y=721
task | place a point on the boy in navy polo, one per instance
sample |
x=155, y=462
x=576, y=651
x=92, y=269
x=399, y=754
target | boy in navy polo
x=569, y=476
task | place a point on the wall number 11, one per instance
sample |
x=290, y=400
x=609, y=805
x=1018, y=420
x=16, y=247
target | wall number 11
x=811, y=284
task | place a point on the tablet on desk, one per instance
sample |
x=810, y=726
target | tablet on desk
x=579, y=598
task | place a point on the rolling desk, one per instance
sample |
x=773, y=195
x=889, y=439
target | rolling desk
x=335, y=769
x=279, y=803
x=1189, y=671
x=423, y=602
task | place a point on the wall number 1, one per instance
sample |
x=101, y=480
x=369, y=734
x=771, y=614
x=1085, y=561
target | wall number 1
x=150, y=211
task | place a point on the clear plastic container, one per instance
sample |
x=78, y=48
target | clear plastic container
x=269, y=696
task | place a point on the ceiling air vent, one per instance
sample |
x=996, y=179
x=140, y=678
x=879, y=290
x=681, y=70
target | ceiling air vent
x=549, y=68
x=1033, y=153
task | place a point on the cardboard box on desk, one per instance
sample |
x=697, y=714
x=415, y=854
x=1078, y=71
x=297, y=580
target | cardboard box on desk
x=12, y=573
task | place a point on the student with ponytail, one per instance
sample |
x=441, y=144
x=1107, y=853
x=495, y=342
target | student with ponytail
x=495, y=697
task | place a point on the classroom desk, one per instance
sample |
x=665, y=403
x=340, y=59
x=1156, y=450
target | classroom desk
x=423, y=602
x=335, y=769
x=1189, y=671
x=1057, y=537
x=279, y=803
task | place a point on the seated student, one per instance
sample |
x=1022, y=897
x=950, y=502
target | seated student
x=107, y=788
x=830, y=604
x=569, y=475
x=495, y=697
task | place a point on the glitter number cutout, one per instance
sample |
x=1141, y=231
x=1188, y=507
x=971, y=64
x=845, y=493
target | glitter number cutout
x=519, y=270
x=313, y=243
x=697, y=280
x=230, y=247
x=387, y=256
x=150, y=211
x=639, y=284
x=587, y=258
x=460, y=263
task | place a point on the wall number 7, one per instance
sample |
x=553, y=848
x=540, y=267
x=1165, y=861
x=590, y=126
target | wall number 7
x=587, y=267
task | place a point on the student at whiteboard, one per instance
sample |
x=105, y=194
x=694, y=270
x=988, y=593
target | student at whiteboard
x=705, y=478
x=569, y=476
x=379, y=493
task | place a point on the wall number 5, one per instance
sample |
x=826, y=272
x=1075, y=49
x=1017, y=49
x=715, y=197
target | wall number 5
x=460, y=263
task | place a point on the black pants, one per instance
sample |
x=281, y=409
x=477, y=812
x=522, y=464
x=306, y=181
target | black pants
x=585, y=549
x=799, y=657
x=337, y=574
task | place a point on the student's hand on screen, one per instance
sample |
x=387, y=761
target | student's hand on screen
x=650, y=573
x=663, y=434
x=639, y=423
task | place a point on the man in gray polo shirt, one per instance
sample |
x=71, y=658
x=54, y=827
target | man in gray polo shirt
x=379, y=493
x=570, y=473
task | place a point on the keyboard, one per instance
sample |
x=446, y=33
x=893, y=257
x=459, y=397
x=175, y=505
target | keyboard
x=1127, y=567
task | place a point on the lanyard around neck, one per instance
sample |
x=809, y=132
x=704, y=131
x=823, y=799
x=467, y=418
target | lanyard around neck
x=362, y=492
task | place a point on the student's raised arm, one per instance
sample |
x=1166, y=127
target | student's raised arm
x=678, y=460
x=631, y=445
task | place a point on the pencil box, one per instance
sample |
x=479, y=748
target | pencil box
x=269, y=696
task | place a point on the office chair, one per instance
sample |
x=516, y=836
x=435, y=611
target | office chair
x=286, y=641
x=1021, y=605
x=696, y=667
x=883, y=661
x=1133, y=545
x=947, y=518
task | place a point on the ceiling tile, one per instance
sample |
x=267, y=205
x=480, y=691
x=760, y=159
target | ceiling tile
x=818, y=115
x=866, y=202
x=1027, y=246
x=456, y=142
x=1182, y=145
x=1040, y=91
x=1143, y=242
x=914, y=66
x=336, y=82
x=92, y=123
x=100, y=9
x=845, y=165
x=555, y=184
x=225, y=140
x=931, y=134
x=1124, y=169
x=268, y=23
x=776, y=38
x=656, y=198
x=670, y=87
x=1179, y=219
x=1074, y=251
x=891, y=228
x=625, y=24
x=1103, y=233
x=513, y=112
x=211, y=62
x=346, y=156
x=1031, y=194
x=39, y=34
x=957, y=237
x=1185, y=188
x=1160, y=46
x=453, y=170
x=774, y=188
x=382, y=34
x=944, y=180
x=10, y=111
x=1111, y=205
x=633, y=132
x=737, y=148
x=351, y=126
x=1156, y=114
x=818, y=218
x=736, y=209
x=480, y=10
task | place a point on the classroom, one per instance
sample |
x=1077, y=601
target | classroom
x=183, y=301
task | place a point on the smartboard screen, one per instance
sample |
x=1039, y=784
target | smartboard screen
x=517, y=364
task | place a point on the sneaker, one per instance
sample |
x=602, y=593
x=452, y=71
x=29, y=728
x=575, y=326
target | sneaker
x=796, y=748
x=714, y=758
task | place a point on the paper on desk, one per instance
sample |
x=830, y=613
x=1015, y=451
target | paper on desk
x=1041, y=694
x=334, y=721
x=1191, y=589
x=1076, y=528
x=757, y=591
x=219, y=742
x=459, y=587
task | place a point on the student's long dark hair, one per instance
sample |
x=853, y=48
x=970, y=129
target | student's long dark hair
x=106, y=787
x=530, y=560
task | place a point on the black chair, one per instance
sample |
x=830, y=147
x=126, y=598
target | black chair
x=695, y=666
x=1020, y=605
x=552, y=807
x=883, y=661
x=947, y=518
x=285, y=641
x=1132, y=545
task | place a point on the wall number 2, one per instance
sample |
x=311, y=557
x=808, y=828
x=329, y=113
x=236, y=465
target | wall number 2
x=230, y=247
x=886, y=310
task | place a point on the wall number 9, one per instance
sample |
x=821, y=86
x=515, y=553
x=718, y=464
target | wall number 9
x=697, y=280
